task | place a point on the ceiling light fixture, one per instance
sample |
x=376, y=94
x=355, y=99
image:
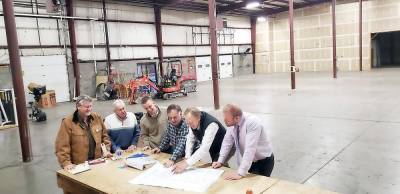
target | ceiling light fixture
x=252, y=4
x=261, y=19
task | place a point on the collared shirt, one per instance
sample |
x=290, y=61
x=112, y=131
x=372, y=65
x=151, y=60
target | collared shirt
x=87, y=127
x=203, y=151
x=153, y=129
x=252, y=144
x=175, y=137
x=113, y=121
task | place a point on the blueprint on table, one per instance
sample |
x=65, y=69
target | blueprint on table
x=196, y=179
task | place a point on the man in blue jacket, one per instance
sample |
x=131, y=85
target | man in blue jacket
x=122, y=128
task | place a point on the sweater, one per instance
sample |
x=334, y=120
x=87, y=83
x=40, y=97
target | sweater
x=152, y=129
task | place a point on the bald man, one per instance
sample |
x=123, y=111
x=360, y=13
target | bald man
x=253, y=147
x=122, y=128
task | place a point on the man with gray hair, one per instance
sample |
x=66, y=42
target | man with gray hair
x=80, y=136
x=122, y=128
x=204, y=138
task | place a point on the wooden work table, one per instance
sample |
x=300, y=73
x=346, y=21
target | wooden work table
x=111, y=178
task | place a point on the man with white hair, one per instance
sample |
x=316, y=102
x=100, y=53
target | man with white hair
x=122, y=128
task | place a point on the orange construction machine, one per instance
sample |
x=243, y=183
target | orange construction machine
x=174, y=83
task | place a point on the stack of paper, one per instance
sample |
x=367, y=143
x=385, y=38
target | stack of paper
x=140, y=162
x=80, y=168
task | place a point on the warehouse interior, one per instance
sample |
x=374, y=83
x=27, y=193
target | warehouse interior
x=322, y=75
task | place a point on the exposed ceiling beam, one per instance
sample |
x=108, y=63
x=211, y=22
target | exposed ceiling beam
x=307, y=3
x=232, y=7
x=243, y=4
x=168, y=2
x=275, y=5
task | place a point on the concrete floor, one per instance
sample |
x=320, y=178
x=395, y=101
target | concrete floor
x=340, y=135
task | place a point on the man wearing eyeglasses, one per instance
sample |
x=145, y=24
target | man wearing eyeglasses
x=80, y=136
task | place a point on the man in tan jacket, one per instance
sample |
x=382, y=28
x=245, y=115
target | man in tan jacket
x=80, y=136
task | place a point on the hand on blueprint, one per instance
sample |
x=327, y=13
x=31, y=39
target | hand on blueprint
x=169, y=163
x=179, y=167
x=216, y=165
x=146, y=148
x=232, y=176
x=155, y=151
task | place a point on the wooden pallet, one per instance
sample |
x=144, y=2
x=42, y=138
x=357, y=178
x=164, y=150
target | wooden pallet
x=7, y=126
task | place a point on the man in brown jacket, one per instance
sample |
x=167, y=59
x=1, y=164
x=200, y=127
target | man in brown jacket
x=80, y=136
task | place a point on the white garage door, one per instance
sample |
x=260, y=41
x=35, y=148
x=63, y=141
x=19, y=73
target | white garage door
x=203, y=68
x=225, y=66
x=46, y=70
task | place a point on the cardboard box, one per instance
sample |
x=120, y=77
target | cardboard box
x=48, y=100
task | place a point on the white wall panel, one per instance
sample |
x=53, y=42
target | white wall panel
x=46, y=23
x=125, y=53
x=240, y=22
x=87, y=54
x=3, y=38
x=184, y=51
x=25, y=22
x=88, y=9
x=178, y=51
x=23, y=9
x=49, y=37
x=4, y=56
x=128, y=33
x=114, y=34
x=180, y=17
x=176, y=35
x=131, y=13
x=242, y=36
x=38, y=51
x=227, y=49
x=203, y=50
x=144, y=52
x=27, y=37
x=98, y=31
x=82, y=31
x=144, y=34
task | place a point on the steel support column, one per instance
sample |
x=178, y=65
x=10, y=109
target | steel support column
x=157, y=14
x=292, y=63
x=108, y=55
x=360, y=31
x=72, y=42
x=16, y=72
x=334, y=57
x=212, y=15
x=253, y=22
